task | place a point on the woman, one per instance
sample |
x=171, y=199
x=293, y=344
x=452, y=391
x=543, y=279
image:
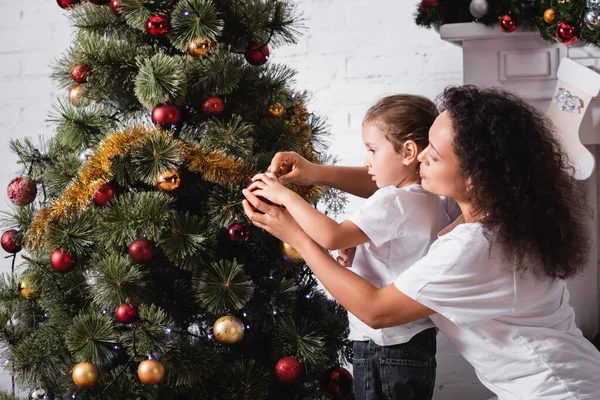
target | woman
x=493, y=281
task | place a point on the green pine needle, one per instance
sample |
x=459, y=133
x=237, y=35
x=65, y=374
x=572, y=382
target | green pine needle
x=92, y=338
x=161, y=79
x=155, y=154
x=192, y=19
x=301, y=339
x=186, y=241
x=151, y=332
x=232, y=137
x=225, y=207
x=219, y=74
x=224, y=287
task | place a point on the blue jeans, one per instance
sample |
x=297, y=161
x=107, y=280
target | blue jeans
x=399, y=372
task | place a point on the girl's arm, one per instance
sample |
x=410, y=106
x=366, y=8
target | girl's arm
x=296, y=169
x=377, y=308
x=322, y=229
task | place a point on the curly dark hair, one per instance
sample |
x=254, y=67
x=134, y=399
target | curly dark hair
x=522, y=182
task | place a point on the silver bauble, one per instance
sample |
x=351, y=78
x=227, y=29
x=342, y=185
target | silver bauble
x=86, y=154
x=591, y=20
x=479, y=8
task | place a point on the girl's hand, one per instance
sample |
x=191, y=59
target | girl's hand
x=346, y=256
x=293, y=168
x=268, y=187
x=275, y=220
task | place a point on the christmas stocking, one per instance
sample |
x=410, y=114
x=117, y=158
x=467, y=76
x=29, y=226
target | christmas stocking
x=577, y=85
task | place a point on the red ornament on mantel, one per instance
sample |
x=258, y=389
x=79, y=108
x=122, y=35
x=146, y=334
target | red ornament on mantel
x=288, y=370
x=257, y=54
x=507, y=24
x=62, y=261
x=67, y=3
x=141, y=250
x=79, y=73
x=213, y=106
x=166, y=115
x=126, y=313
x=566, y=33
x=157, y=26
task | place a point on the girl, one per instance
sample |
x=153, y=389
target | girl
x=393, y=229
x=493, y=281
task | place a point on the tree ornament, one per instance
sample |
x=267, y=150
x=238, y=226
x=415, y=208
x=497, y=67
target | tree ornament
x=238, y=233
x=549, y=15
x=157, y=26
x=591, y=19
x=257, y=54
x=141, y=250
x=76, y=94
x=85, y=375
x=86, y=154
x=98, y=2
x=478, y=8
x=288, y=370
x=67, y=3
x=40, y=393
x=79, y=73
x=289, y=253
x=228, y=330
x=276, y=110
x=199, y=46
x=126, y=313
x=62, y=261
x=507, y=24
x=339, y=383
x=213, y=106
x=425, y=4
x=10, y=241
x=115, y=5
x=566, y=33
x=151, y=372
x=25, y=290
x=104, y=194
x=168, y=180
x=166, y=115
x=21, y=190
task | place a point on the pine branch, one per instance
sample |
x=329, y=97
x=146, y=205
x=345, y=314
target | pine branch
x=219, y=74
x=194, y=19
x=152, y=336
x=224, y=287
x=301, y=339
x=92, y=338
x=232, y=137
x=161, y=79
x=156, y=153
x=186, y=242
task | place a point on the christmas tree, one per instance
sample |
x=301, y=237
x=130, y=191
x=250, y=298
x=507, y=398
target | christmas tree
x=556, y=20
x=141, y=277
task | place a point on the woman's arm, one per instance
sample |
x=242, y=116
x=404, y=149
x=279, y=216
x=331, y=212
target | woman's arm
x=293, y=168
x=378, y=308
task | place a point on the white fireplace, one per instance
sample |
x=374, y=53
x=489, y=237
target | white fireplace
x=526, y=64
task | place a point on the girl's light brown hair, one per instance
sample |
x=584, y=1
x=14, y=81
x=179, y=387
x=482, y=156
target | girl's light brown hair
x=403, y=117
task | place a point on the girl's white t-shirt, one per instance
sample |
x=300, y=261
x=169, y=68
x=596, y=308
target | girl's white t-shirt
x=516, y=329
x=401, y=224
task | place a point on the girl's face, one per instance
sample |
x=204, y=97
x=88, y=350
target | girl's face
x=439, y=164
x=386, y=167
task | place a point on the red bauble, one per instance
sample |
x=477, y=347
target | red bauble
x=79, y=73
x=115, y=5
x=62, y=261
x=104, y=194
x=339, y=383
x=67, y=3
x=288, y=370
x=213, y=106
x=21, y=190
x=507, y=24
x=566, y=33
x=126, y=313
x=238, y=233
x=157, y=26
x=141, y=250
x=257, y=54
x=10, y=242
x=425, y=4
x=166, y=115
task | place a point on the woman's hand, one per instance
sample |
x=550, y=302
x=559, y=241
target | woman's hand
x=275, y=220
x=293, y=168
x=268, y=187
x=346, y=256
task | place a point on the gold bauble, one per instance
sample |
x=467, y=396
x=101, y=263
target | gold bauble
x=168, y=180
x=25, y=289
x=76, y=94
x=289, y=253
x=549, y=15
x=199, y=46
x=85, y=375
x=151, y=372
x=228, y=330
x=276, y=110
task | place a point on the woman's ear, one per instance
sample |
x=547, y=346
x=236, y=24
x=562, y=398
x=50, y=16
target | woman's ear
x=410, y=151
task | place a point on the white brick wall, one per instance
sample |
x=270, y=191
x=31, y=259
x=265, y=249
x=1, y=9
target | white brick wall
x=352, y=53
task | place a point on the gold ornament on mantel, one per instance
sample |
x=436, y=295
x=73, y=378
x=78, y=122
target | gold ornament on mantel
x=276, y=110
x=168, y=180
x=228, y=330
x=199, y=47
x=549, y=15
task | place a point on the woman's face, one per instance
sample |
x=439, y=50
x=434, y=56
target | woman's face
x=439, y=164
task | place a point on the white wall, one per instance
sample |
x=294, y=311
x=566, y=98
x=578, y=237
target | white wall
x=353, y=52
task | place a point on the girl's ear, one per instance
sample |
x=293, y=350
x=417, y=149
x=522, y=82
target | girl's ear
x=410, y=151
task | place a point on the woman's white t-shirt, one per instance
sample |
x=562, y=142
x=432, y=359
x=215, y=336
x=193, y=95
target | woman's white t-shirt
x=517, y=330
x=401, y=224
